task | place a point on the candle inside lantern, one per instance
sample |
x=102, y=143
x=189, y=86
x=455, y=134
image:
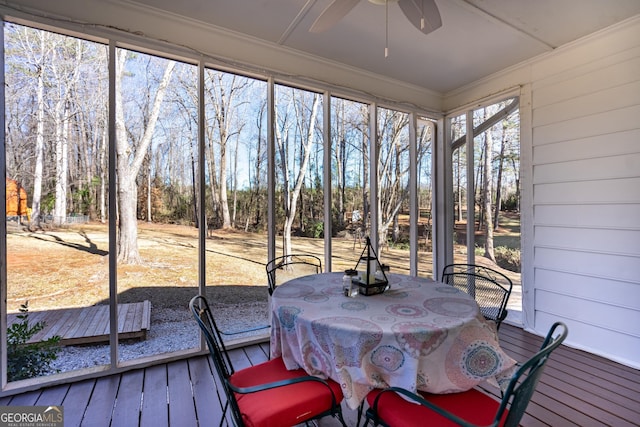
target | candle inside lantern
x=373, y=265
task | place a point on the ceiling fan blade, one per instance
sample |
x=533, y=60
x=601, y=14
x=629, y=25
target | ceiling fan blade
x=332, y=14
x=422, y=11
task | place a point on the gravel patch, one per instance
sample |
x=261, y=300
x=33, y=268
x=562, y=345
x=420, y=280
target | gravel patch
x=171, y=330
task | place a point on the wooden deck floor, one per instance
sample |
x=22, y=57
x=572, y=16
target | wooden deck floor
x=90, y=325
x=577, y=389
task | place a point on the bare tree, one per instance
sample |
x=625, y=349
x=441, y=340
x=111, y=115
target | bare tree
x=507, y=158
x=226, y=87
x=103, y=176
x=340, y=133
x=89, y=101
x=503, y=144
x=365, y=140
x=234, y=177
x=65, y=67
x=54, y=123
x=38, y=58
x=350, y=143
x=305, y=130
x=129, y=161
x=487, y=190
x=185, y=96
x=256, y=204
x=393, y=168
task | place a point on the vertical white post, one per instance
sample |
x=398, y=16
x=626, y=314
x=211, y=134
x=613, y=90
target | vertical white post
x=471, y=241
x=442, y=200
x=414, y=212
x=471, y=212
x=113, y=214
x=271, y=168
x=327, y=186
x=374, y=203
x=202, y=234
x=3, y=228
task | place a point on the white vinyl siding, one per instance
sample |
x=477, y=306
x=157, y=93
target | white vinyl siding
x=586, y=193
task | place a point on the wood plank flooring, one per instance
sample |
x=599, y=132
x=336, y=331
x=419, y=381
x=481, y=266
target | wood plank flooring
x=576, y=389
x=90, y=325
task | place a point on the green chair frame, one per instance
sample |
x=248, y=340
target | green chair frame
x=490, y=288
x=201, y=311
x=514, y=401
x=288, y=262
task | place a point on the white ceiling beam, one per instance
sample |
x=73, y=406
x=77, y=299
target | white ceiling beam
x=498, y=20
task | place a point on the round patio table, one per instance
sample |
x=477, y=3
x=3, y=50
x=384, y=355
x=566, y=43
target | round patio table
x=419, y=334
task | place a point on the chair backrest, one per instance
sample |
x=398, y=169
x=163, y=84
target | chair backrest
x=202, y=313
x=490, y=288
x=523, y=383
x=291, y=266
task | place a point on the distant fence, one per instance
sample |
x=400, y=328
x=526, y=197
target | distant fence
x=71, y=219
x=48, y=219
x=78, y=219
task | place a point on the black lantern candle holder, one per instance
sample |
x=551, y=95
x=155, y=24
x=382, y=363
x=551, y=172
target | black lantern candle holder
x=371, y=276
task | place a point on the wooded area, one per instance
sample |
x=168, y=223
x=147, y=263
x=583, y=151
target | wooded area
x=57, y=146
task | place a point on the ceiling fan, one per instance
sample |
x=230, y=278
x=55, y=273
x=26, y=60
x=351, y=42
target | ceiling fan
x=423, y=14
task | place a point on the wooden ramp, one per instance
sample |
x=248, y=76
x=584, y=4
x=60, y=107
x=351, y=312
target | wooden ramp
x=90, y=325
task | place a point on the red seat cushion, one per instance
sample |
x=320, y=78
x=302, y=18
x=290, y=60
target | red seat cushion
x=281, y=406
x=472, y=406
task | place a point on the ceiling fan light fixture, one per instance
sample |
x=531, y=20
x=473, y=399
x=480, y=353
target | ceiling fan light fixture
x=422, y=14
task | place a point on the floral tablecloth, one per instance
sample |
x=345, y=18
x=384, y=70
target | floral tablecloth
x=420, y=334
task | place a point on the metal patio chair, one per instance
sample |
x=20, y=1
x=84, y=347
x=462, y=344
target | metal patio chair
x=490, y=288
x=266, y=394
x=400, y=407
x=290, y=266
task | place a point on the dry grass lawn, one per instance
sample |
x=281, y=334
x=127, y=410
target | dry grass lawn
x=68, y=267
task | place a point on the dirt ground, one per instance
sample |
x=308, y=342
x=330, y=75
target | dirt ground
x=69, y=267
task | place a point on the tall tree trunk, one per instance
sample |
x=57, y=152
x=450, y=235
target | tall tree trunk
x=224, y=94
x=256, y=196
x=341, y=173
x=292, y=196
x=62, y=164
x=459, y=186
x=129, y=163
x=224, y=202
x=281, y=141
x=62, y=114
x=487, y=190
x=87, y=145
x=478, y=197
x=39, y=169
x=234, y=182
x=194, y=187
x=127, y=193
x=149, y=192
x=496, y=217
x=213, y=181
x=364, y=144
x=103, y=176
